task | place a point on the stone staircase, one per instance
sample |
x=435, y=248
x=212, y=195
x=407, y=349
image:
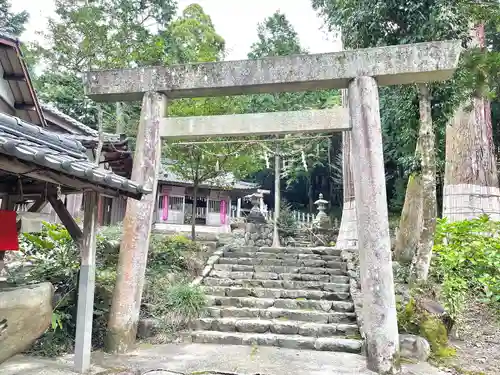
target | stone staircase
x=288, y=297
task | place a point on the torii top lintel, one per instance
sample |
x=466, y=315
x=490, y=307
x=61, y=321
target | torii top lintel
x=392, y=65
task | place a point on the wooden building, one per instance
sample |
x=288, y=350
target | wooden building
x=215, y=202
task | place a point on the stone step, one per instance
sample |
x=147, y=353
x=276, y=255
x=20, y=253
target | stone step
x=302, y=250
x=293, y=262
x=275, y=326
x=281, y=314
x=277, y=269
x=282, y=256
x=341, y=294
x=338, y=284
x=284, y=341
x=275, y=276
x=281, y=303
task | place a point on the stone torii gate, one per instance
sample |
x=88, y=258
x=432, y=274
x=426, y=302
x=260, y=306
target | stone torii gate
x=360, y=71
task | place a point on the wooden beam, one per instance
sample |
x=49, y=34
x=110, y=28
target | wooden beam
x=86, y=285
x=38, y=205
x=14, y=77
x=66, y=218
x=14, y=166
x=25, y=107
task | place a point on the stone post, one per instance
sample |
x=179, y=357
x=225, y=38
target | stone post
x=238, y=208
x=125, y=306
x=377, y=284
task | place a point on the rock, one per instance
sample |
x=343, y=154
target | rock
x=28, y=313
x=147, y=328
x=414, y=347
x=436, y=309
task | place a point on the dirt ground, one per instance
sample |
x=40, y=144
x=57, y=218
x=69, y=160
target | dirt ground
x=478, y=346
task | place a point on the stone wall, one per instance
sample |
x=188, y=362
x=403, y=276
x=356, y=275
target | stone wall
x=258, y=234
x=351, y=257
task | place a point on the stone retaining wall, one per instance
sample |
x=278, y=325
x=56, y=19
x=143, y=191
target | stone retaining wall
x=258, y=234
x=351, y=257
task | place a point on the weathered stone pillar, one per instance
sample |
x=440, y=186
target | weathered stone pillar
x=124, y=313
x=377, y=284
x=348, y=231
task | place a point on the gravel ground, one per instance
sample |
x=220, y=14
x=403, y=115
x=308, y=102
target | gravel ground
x=478, y=350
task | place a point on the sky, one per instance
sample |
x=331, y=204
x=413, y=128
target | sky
x=236, y=21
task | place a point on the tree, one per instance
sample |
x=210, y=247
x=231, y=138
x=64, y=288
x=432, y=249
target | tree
x=90, y=35
x=276, y=37
x=386, y=23
x=12, y=23
x=470, y=169
x=194, y=39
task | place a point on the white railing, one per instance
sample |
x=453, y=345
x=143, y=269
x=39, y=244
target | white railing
x=303, y=218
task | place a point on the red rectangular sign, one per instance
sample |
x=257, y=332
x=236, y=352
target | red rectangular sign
x=8, y=231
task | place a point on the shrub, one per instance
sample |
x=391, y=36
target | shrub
x=174, y=253
x=467, y=259
x=173, y=303
x=287, y=223
x=54, y=257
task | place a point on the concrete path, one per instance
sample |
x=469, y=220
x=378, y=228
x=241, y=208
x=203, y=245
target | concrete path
x=198, y=358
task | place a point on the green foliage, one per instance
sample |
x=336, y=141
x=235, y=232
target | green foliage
x=276, y=37
x=467, y=260
x=56, y=258
x=173, y=253
x=82, y=40
x=12, y=23
x=287, y=223
x=192, y=38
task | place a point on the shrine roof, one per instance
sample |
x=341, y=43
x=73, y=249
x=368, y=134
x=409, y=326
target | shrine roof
x=226, y=181
x=57, y=159
x=86, y=130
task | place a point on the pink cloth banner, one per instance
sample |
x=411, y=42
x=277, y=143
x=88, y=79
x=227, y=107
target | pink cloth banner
x=164, y=214
x=223, y=212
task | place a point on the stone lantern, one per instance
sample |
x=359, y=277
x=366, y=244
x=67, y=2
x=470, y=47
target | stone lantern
x=255, y=215
x=322, y=220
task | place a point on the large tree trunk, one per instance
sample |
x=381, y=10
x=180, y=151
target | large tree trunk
x=471, y=181
x=125, y=306
x=348, y=231
x=410, y=222
x=422, y=258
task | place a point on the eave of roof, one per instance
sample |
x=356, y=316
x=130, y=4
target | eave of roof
x=87, y=130
x=13, y=43
x=31, y=144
